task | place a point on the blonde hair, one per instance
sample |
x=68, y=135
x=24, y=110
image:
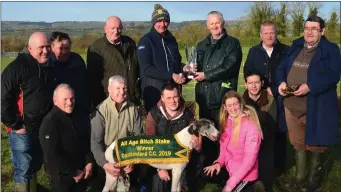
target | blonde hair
x=247, y=110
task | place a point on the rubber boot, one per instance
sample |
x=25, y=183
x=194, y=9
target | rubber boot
x=315, y=171
x=21, y=187
x=301, y=172
x=34, y=183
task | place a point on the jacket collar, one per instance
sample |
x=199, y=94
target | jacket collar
x=112, y=104
x=262, y=100
x=207, y=40
x=300, y=42
x=178, y=114
x=56, y=110
x=156, y=34
x=276, y=46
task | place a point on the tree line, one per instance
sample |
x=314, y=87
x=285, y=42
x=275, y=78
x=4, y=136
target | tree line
x=289, y=19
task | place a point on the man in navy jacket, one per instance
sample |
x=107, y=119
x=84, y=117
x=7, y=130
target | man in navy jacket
x=313, y=64
x=159, y=58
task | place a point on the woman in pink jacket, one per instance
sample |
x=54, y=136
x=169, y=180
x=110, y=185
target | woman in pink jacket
x=239, y=143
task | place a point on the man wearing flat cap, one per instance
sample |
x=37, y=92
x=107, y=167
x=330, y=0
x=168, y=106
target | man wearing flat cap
x=159, y=58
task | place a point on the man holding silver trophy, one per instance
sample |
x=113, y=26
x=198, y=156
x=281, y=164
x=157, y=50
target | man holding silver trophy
x=216, y=69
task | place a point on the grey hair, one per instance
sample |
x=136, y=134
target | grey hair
x=30, y=40
x=217, y=13
x=65, y=86
x=117, y=78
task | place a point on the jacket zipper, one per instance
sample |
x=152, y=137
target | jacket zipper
x=163, y=44
x=170, y=53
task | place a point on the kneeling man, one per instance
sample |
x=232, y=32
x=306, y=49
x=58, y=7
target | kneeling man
x=65, y=140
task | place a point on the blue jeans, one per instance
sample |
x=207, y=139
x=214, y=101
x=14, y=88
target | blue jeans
x=27, y=156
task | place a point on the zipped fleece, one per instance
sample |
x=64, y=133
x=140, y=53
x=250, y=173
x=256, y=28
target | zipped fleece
x=159, y=58
x=36, y=82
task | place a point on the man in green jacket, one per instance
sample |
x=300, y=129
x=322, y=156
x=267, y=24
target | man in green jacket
x=219, y=59
x=112, y=54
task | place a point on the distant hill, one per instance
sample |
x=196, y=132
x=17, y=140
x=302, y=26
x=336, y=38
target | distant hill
x=75, y=28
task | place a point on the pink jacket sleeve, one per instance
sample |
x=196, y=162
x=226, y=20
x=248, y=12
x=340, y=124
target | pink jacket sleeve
x=223, y=152
x=252, y=145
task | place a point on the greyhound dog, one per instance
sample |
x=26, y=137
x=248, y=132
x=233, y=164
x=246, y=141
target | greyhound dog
x=204, y=127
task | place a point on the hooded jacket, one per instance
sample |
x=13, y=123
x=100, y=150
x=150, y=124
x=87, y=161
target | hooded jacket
x=36, y=83
x=160, y=123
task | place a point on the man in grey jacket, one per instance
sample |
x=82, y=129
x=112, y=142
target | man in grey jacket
x=113, y=119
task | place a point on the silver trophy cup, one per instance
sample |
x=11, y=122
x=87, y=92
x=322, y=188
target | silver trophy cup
x=191, y=65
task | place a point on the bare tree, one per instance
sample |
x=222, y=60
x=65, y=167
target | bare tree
x=296, y=11
x=260, y=12
x=314, y=7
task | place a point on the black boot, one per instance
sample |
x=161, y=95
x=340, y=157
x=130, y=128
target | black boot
x=301, y=173
x=315, y=171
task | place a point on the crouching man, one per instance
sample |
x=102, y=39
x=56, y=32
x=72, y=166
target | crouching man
x=114, y=118
x=65, y=140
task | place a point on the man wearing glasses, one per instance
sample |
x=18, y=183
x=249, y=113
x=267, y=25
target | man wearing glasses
x=312, y=64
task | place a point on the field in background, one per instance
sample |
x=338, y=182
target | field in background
x=333, y=165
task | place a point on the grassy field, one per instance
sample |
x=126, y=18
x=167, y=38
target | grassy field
x=332, y=167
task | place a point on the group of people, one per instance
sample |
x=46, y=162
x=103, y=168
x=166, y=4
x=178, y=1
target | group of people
x=64, y=113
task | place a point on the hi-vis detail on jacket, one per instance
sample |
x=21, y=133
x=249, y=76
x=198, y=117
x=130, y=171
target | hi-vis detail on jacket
x=150, y=149
x=141, y=47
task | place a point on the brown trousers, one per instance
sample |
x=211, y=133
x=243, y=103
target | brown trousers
x=296, y=132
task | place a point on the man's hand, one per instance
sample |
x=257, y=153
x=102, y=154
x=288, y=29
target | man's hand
x=128, y=169
x=199, y=76
x=281, y=88
x=88, y=170
x=196, y=142
x=21, y=131
x=79, y=175
x=163, y=174
x=178, y=78
x=269, y=91
x=302, y=90
x=112, y=168
x=186, y=68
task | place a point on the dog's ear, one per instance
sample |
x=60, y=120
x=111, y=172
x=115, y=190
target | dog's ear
x=193, y=130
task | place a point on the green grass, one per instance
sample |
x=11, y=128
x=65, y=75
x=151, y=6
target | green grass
x=332, y=176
